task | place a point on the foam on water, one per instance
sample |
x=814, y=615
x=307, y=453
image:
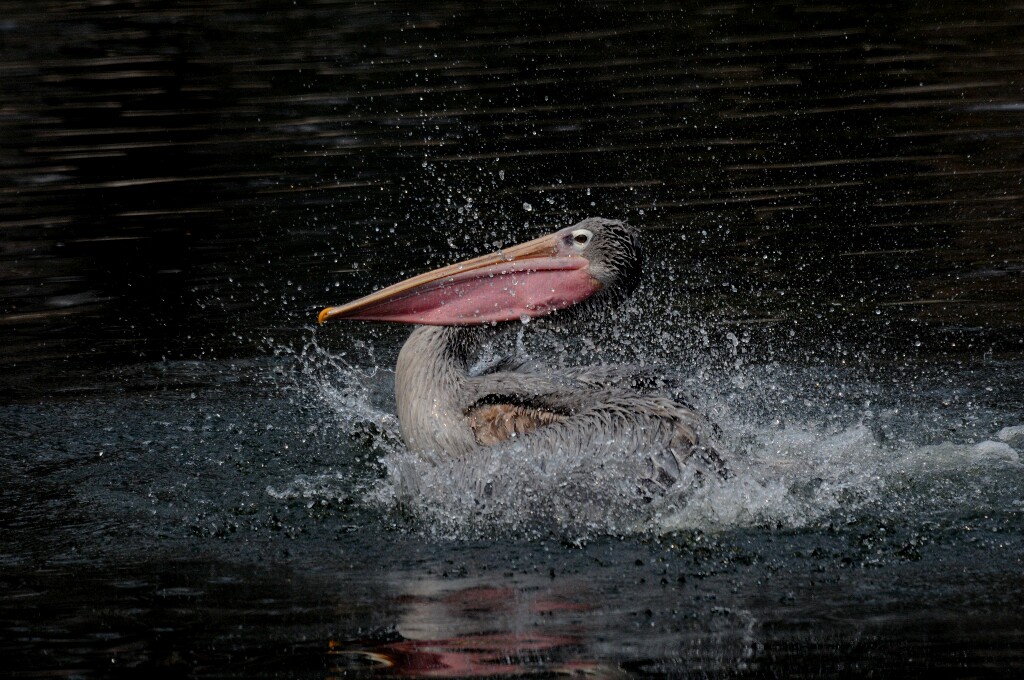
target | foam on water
x=792, y=472
x=797, y=475
x=791, y=477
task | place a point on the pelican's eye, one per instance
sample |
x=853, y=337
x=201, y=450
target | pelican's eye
x=581, y=238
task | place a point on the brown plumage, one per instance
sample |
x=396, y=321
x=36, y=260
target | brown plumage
x=496, y=423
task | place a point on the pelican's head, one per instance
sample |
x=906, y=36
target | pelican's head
x=612, y=250
x=597, y=258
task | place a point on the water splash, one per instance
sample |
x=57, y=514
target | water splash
x=793, y=477
x=799, y=456
x=356, y=420
x=357, y=398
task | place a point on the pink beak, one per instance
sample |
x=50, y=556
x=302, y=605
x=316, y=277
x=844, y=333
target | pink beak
x=529, y=280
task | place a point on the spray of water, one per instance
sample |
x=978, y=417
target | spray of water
x=806, y=440
x=798, y=454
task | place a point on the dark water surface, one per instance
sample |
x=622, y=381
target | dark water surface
x=195, y=480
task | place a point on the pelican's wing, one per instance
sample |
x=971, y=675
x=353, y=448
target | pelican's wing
x=497, y=422
x=643, y=379
x=508, y=404
x=557, y=414
x=646, y=380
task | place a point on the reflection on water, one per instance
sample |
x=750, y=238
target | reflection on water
x=456, y=630
x=194, y=480
x=747, y=609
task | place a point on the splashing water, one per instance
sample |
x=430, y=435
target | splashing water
x=799, y=466
x=358, y=403
x=791, y=477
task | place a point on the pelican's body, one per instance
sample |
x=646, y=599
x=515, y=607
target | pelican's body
x=444, y=409
x=433, y=391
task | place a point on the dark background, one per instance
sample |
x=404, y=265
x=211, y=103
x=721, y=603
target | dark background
x=184, y=181
x=831, y=198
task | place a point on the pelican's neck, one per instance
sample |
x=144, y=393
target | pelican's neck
x=431, y=389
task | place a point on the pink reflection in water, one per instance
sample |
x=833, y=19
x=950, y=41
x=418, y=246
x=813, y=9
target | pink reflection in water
x=475, y=631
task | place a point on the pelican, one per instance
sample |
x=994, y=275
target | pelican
x=445, y=409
